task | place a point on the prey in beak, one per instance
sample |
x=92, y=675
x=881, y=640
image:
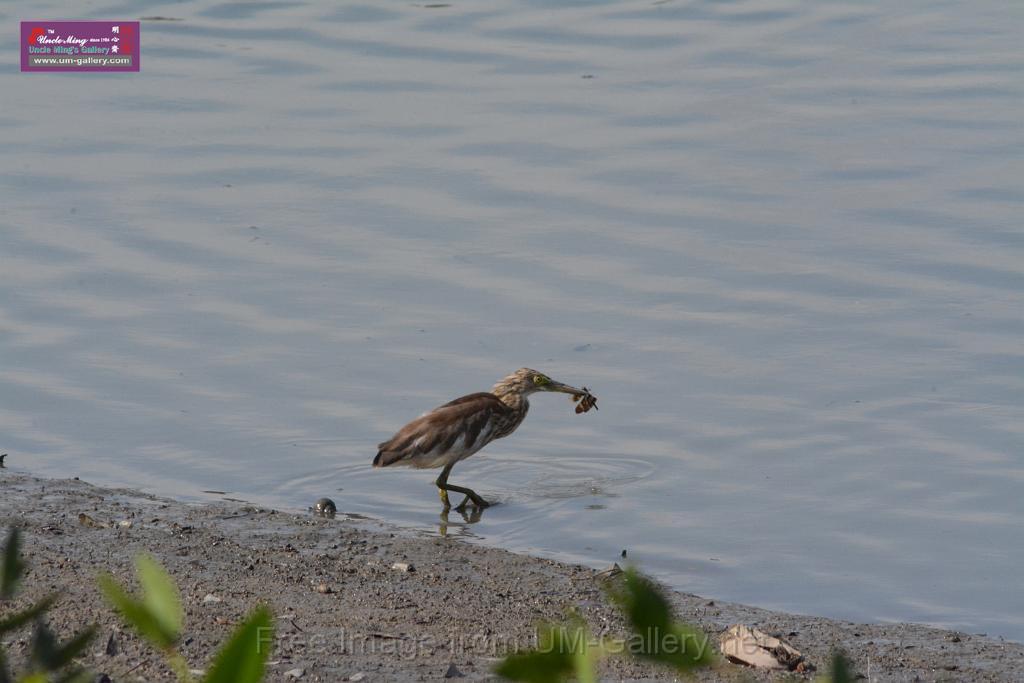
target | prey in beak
x=583, y=399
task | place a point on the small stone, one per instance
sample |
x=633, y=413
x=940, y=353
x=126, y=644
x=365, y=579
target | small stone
x=210, y=598
x=453, y=672
x=403, y=567
x=357, y=677
x=295, y=673
x=111, y=649
x=86, y=520
x=126, y=523
x=324, y=589
x=325, y=507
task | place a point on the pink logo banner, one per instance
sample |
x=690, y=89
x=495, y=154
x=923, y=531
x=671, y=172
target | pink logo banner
x=80, y=46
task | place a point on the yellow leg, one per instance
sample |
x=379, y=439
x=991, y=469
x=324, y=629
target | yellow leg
x=443, y=487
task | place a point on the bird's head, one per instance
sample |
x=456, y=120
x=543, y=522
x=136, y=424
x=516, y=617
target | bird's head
x=525, y=381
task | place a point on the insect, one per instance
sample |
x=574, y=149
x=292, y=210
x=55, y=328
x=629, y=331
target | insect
x=585, y=401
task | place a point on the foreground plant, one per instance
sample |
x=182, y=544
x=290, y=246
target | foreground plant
x=841, y=670
x=49, y=659
x=569, y=651
x=662, y=639
x=158, y=617
x=563, y=651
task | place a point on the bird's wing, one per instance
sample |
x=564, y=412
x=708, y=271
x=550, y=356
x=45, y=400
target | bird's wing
x=466, y=421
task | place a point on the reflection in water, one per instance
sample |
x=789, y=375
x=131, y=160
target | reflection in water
x=791, y=267
x=470, y=515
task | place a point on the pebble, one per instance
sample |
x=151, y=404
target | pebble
x=453, y=672
x=403, y=567
x=295, y=673
x=211, y=598
x=86, y=520
x=357, y=677
x=325, y=507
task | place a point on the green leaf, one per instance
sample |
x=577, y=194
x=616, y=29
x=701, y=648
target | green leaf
x=243, y=659
x=34, y=678
x=136, y=613
x=562, y=652
x=656, y=634
x=535, y=667
x=49, y=655
x=16, y=621
x=44, y=643
x=13, y=567
x=160, y=595
x=842, y=671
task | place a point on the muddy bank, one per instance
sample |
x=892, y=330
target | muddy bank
x=344, y=612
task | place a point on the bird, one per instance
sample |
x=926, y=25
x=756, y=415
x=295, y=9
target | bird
x=459, y=428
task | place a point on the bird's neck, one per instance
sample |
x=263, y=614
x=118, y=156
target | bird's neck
x=513, y=397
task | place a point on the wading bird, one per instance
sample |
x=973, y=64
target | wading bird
x=457, y=430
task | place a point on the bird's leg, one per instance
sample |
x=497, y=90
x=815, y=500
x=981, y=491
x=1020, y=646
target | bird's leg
x=443, y=487
x=470, y=496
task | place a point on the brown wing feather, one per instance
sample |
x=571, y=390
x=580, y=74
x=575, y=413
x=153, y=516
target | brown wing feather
x=467, y=416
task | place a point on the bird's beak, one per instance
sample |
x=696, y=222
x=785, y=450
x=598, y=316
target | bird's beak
x=564, y=388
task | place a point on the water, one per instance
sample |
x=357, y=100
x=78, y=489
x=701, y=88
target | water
x=781, y=242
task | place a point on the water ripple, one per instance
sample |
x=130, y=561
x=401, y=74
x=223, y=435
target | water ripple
x=780, y=242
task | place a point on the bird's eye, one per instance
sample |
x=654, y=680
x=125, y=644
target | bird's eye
x=540, y=380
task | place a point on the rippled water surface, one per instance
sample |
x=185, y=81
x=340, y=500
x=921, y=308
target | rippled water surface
x=781, y=241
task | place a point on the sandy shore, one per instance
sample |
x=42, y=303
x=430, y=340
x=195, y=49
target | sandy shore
x=344, y=613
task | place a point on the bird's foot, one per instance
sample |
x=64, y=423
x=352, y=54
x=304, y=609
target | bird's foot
x=478, y=503
x=444, y=499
